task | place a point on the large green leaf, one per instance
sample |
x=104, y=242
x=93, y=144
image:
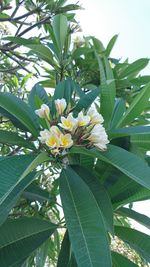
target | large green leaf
x=111, y=45
x=141, y=218
x=118, y=112
x=125, y=161
x=142, y=140
x=137, y=106
x=20, y=110
x=137, y=240
x=83, y=216
x=64, y=255
x=134, y=68
x=100, y=194
x=121, y=261
x=13, y=138
x=138, y=133
x=20, y=237
x=86, y=100
x=37, y=48
x=108, y=90
x=37, y=91
x=34, y=192
x=60, y=28
x=14, y=177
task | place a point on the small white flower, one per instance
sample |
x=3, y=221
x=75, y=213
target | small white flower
x=95, y=116
x=99, y=137
x=83, y=120
x=44, y=135
x=69, y=123
x=60, y=105
x=55, y=130
x=66, y=140
x=43, y=112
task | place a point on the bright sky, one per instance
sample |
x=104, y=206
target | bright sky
x=131, y=20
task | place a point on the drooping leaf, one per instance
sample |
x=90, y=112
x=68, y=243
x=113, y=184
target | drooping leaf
x=121, y=261
x=15, y=176
x=137, y=106
x=137, y=240
x=140, y=218
x=134, y=68
x=13, y=138
x=20, y=110
x=137, y=132
x=37, y=48
x=127, y=162
x=34, y=192
x=20, y=237
x=99, y=193
x=84, y=217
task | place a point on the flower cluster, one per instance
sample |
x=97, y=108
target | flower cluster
x=66, y=130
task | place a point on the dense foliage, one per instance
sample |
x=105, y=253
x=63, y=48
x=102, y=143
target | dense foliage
x=74, y=138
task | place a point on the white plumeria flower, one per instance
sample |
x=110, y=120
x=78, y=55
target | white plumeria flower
x=66, y=140
x=53, y=141
x=99, y=137
x=55, y=130
x=69, y=123
x=43, y=112
x=95, y=116
x=60, y=105
x=83, y=120
x=44, y=135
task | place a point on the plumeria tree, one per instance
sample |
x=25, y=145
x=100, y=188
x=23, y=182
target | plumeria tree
x=73, y=148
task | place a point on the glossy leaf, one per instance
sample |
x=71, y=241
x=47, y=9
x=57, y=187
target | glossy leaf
x=137, y=106
x=121, y=261
x=125, y=161
x=13, y=138
x=15, y=176
x=86, y=101
x=100, y=194
x=84, y=217
x=20, y=110
x=64, y=255
x=136, y=240
x=20, y=237
x=140, y=218
x=111, y=45
x=60, y=28
x=135, y=67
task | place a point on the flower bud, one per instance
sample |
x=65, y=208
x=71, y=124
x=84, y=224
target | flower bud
x=43, y=112
x=60, y=105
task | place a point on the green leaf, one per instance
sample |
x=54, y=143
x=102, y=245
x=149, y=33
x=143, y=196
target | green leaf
x=64, y=255
x=138, y=133
x=134, y=68
x=108, y=91
x=20, y=110
x=136, y=240
x=34, y=192
x=64, y=89
x=111, y=45
x=13, y=138
x=121, y=261
x=118, y=112
x=37, y=48
x=140, y=218
x=128, y=163
x=14, y=173
x=142, y=140
x=83, y=216
x=20, y=237
x=86, y=101
x=100, y=194
x=137, y=106
x=60, y=28
x=37, y=91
